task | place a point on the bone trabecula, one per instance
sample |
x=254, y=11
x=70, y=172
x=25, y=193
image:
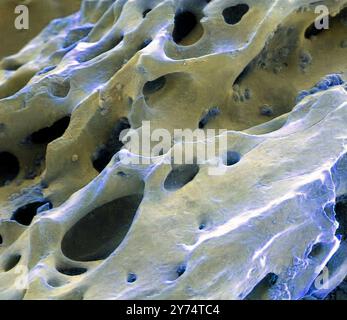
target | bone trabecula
x=79, y=222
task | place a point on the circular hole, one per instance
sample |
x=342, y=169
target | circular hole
x=185, y=22
x=202, y=226
x=11, y=262
x=316, y=251
x=132, y=277
x=9, y=168
x=102, y=230
x=181, y=270
x=180, y=176
x=1, y=240
x=233, y=15
x=151, y=87
x=25, y=214
x=232, y=158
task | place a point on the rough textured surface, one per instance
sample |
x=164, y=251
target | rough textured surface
x=263, y=230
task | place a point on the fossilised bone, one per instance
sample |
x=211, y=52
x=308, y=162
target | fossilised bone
x=265, y=229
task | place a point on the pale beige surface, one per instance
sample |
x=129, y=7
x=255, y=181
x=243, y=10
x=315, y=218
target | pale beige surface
x=278, y=190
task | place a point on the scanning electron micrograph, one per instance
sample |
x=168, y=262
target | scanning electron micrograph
x=173, y=150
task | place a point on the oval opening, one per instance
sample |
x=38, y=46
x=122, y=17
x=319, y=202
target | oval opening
x=101, y=231
x=185, y=23
x=151, y=87
x=11, y=262
x=132, y=277
x=180, y=176
x=233, y=15
x=25, y=214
